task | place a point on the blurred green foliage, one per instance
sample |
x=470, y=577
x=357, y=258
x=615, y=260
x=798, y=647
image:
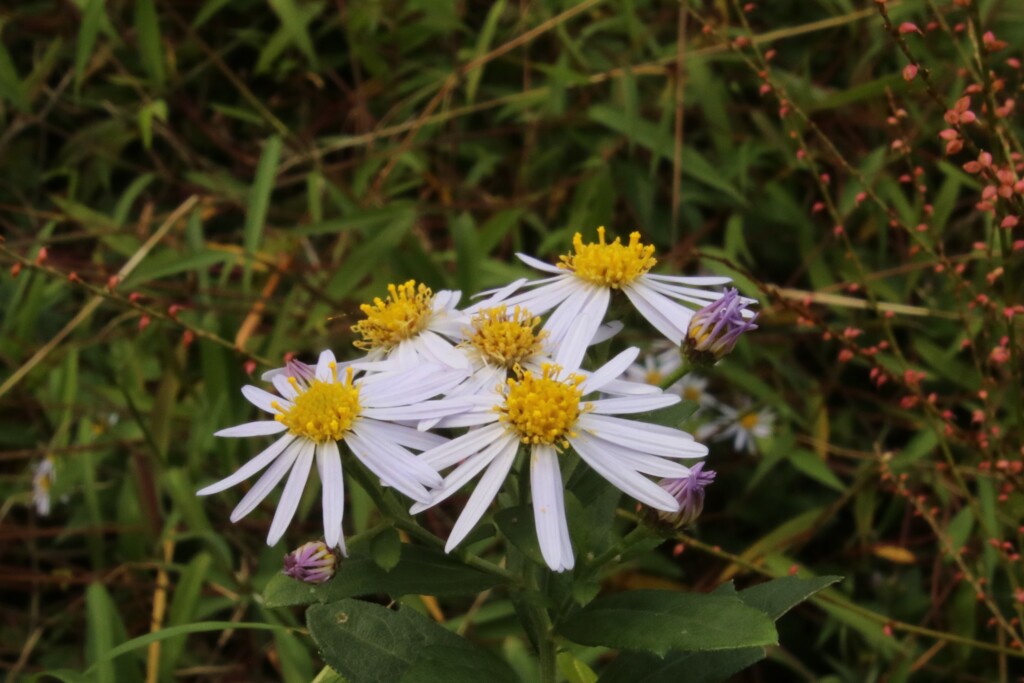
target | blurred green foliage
x=334, y=147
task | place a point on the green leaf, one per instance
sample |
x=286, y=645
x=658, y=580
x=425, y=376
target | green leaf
x=660, y=143
x=369, y=643
x=814, y=467
x=518, y=526
x=156, y=109
x=12, y=88
x=92, y=15
x=100, y=615
x=147, y=28
x=778, y=596
x=483, y=44
x=386, y=549
x=259, y=199
x=183, y=610
x=692, y=667
x=420, y=571
x=174, y=632
x=292, y=21
x=659, y=621
x=574, y=670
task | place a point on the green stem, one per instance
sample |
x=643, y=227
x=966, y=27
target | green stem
x=684, y=369
x=397, y=516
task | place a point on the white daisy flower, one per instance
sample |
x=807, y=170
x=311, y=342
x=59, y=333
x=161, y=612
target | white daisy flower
x=43, y=476
x=413, y=325
x=546, y=413
x=581, y=285
x=318, y=411
x=500, y=339
x=743, y=427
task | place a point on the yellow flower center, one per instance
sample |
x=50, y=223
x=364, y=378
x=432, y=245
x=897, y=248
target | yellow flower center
x=611, y=265
x=506, y=339
x=653, y=377
x=749, y=421
x=692, y=394
x=542, y=409
x=402, y=315
x=323, y=412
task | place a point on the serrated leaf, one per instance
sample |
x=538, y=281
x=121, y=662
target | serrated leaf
x=369, y=643
x=420, y=571
x=659, y=621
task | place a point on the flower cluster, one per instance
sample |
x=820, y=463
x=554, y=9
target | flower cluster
x=513, y=383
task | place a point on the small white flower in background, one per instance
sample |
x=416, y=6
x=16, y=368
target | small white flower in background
x=413, y=325
x=43, y=476
x=581, y=285
x=689, y=491
x=655, y=367
x=743, y=426
x=546, y=413
x=319, y=409
x=311, y=563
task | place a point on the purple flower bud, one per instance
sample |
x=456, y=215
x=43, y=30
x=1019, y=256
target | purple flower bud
x=689, y=491
x=715, y=329
x=311, y=562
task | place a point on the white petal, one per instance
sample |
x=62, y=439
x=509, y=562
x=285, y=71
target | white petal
x=549, y=507
x=462, y=447
x=442, y=351
x=419, y=411
x=540, y=265
x=324, y=371
x=574, y=344
x=622, y=477
x=264, y=399
x=250, y=468
x=642, y=436
x=633, y=404
x=292, y=494
x=609, y=371
x=620, y=387
x=665, y=315
x=473, y=419
x=542, y=299
x=494, y=296
x=262, y=428
x=606, y=332
x=284, y=387
x=408, y=437
x=419, y=383
x=328, y=463
x=631, y=458
x=268, y=481
x=486, y=489
x=569, y=312
x=393, y=471
x=412, y=465
x=706, y=281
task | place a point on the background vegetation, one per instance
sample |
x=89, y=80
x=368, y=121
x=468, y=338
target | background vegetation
x=191, y=190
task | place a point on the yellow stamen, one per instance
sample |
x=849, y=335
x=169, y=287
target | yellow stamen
x=402, y=315
x=323, y=412
x=506, y=339
x=749, y=421
x=692, y=394
x=611, y=265
x=543, y=409
x=653, y=377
